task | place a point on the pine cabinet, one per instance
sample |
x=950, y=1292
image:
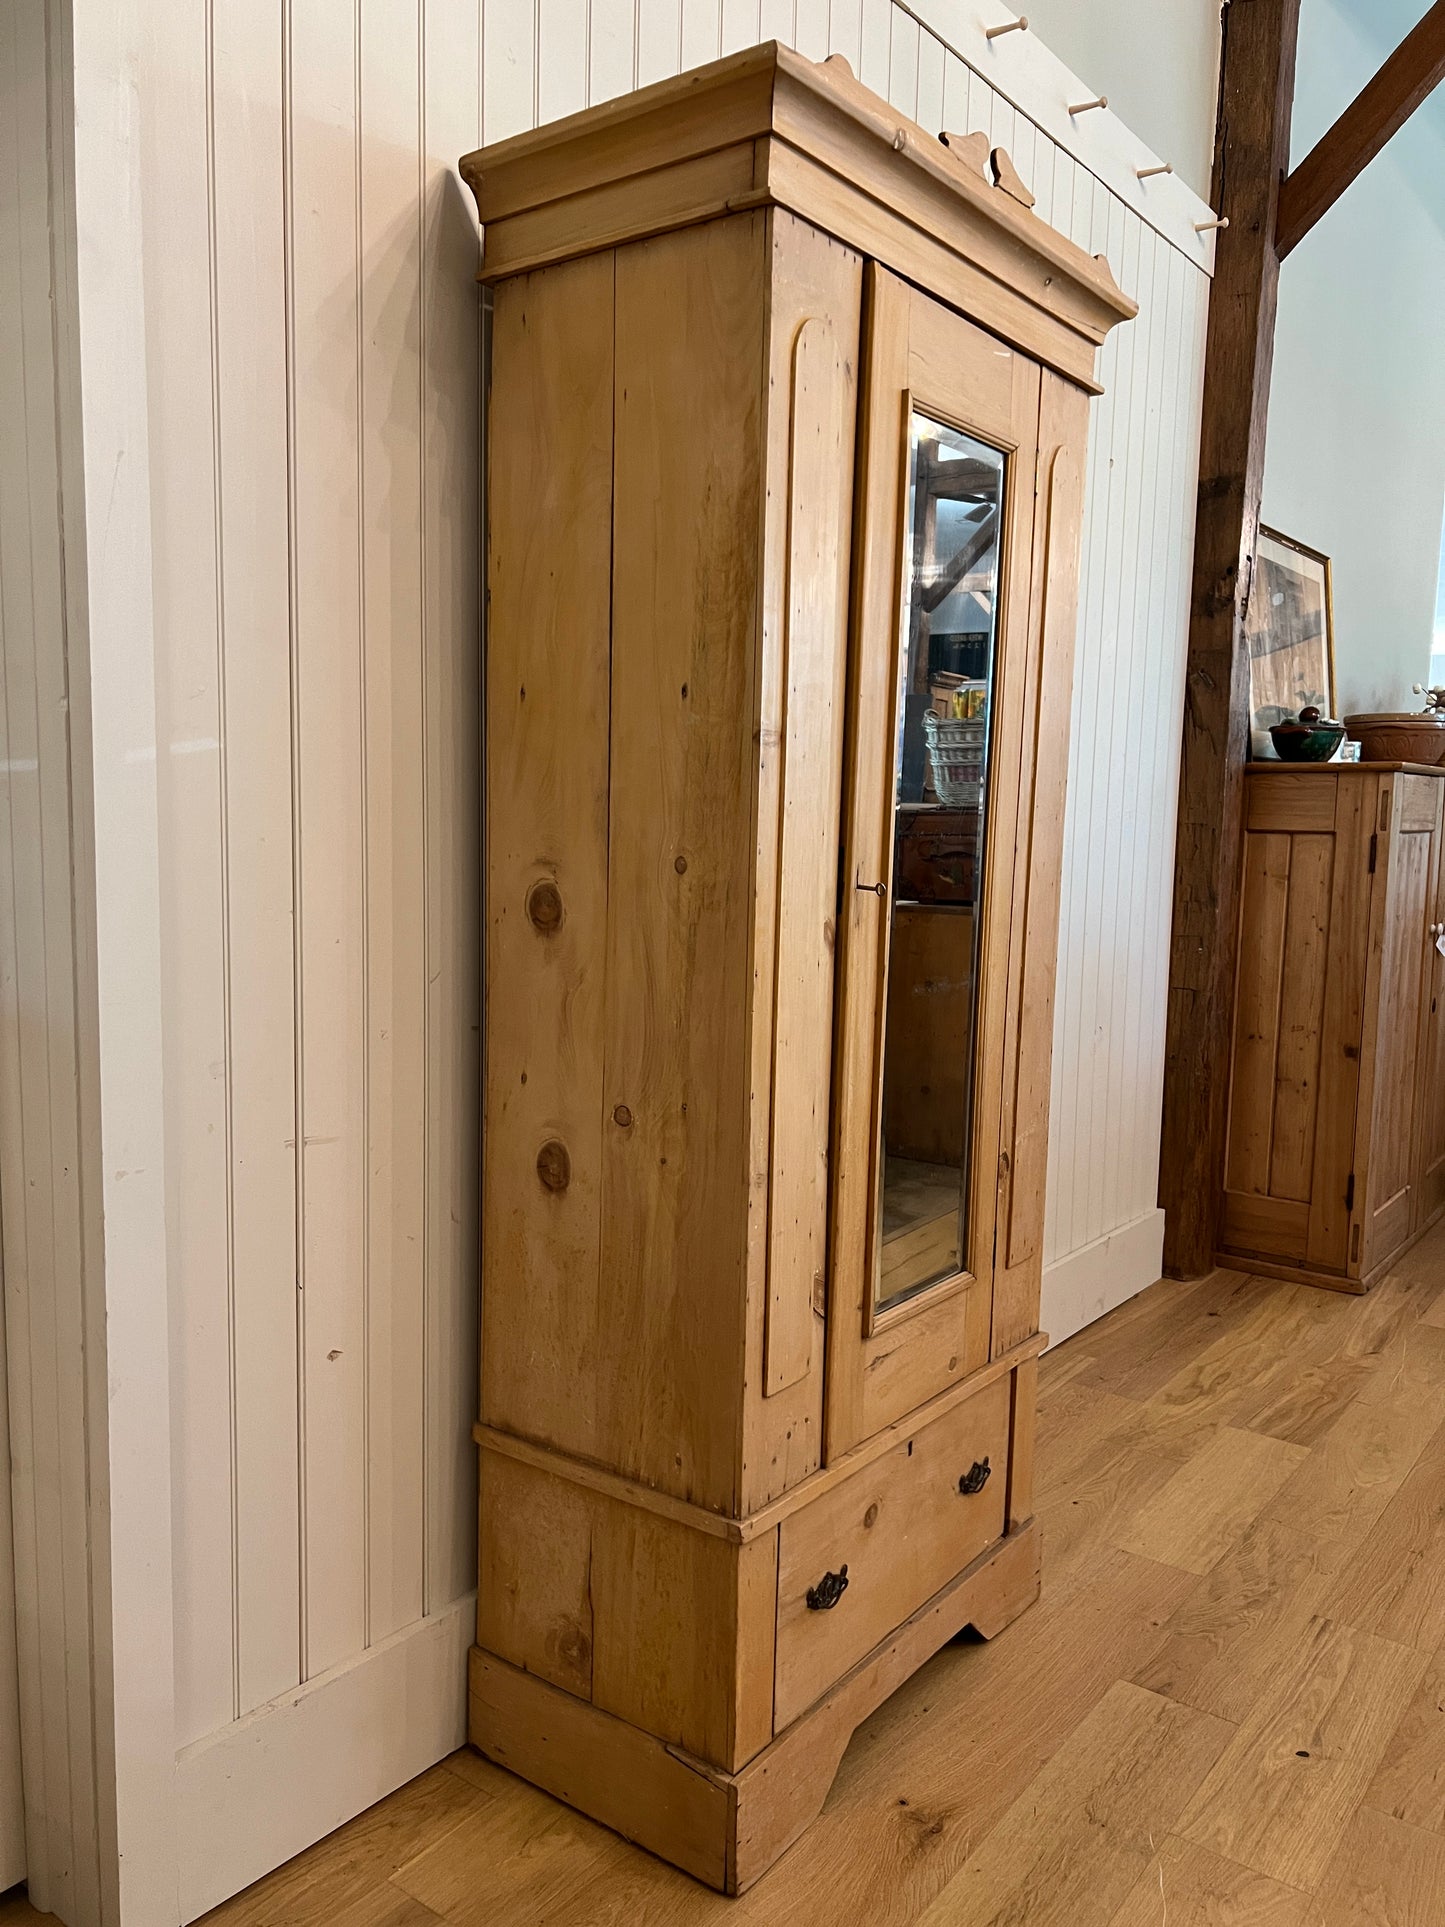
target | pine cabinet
x=786, y=418
x=1335, y=1155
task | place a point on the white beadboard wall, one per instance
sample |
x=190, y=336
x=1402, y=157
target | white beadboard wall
x=283, y=486
x=314, y=341
x=314, y=351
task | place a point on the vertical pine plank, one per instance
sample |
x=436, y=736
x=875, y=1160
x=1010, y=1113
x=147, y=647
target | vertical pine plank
x=253, y=409
x=1306, y=950
x=815, y=657
x=1264, y=902
x=690, y=321
x=548, y=703
x=328, y=735
x=1341, y=1036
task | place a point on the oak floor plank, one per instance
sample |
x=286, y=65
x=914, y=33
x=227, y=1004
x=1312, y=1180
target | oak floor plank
x=1095, y=1499
x=1225, y=1644
x=1348, y=1343
x=346, y=1878
x=1281, y=1794
x=1207, y=1505
x=1360, y=1464
x=1072, y=1847
x=1256, y=1355
x=1410, y=1782
x=518, y=1860
x=1227, y=1640
x=1395, y=1583
x=1386, y=1874
x=1138, y=1348
x=1188, y=1886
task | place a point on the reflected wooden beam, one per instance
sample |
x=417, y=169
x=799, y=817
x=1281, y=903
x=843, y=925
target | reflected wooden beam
x=1379, y=111
x=977, y=545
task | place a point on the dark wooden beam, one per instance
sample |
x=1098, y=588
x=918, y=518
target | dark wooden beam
x=1408, y=77
x=1250, y=157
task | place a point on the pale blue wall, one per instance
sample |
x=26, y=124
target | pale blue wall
x=1355, y=461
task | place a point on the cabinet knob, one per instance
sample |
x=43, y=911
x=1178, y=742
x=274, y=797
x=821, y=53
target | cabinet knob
x=976, y=1477
x=823, y=1597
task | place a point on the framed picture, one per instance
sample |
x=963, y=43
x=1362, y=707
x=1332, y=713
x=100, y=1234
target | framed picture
x=1291, y=631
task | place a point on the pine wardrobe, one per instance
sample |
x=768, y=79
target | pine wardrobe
x=786, y=424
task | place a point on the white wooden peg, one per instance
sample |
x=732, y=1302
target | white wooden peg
x=1021, y=25
x=1147, y=173
x=1203, y=227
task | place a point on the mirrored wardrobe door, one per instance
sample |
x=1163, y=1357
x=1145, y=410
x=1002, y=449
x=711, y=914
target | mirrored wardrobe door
x=939, y=644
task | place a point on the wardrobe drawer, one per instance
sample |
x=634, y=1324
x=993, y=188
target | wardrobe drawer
x=902, y=1526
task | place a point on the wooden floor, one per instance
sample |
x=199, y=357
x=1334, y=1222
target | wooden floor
x=1228, y=1710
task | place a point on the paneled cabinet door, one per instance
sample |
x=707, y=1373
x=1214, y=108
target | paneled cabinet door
x=939, y=669
x=1399, y=953
x=1430, y=1158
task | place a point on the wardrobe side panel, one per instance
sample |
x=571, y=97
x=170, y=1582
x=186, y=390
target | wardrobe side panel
x=1034, y=946
x=815, y=310
x=688, y=403
x=549, y=573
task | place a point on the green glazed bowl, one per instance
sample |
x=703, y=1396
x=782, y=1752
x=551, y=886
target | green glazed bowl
x=1301, y=743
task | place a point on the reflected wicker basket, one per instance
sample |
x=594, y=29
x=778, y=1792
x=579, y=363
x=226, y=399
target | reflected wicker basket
x=955, y=758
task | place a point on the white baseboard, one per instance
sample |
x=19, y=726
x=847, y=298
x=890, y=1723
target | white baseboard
x=1088, y=1282
x=254, y=1794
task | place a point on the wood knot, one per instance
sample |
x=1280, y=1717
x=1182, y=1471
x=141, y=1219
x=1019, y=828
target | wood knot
x=544, y=906
x=621, y=1115
x=554, y=1165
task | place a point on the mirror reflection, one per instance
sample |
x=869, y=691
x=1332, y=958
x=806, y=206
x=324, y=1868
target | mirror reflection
x=949, y=619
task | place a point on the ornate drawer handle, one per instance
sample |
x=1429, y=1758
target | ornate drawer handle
x=823, y=1597
x=976, y=1477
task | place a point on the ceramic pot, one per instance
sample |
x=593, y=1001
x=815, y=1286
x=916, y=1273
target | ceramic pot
x=1396, y=737
x=1306, y=742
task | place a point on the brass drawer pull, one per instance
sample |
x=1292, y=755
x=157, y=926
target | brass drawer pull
x=823, y=1597
x=976, y=1477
